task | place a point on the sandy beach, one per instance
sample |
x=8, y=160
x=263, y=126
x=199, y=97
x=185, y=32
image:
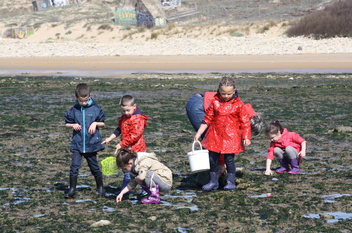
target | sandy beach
x=198, y=51
x=102, y=66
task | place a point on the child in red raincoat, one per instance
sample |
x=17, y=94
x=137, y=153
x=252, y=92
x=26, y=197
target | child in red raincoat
x=229, y=131
x=131, y=127
x=288, y=147
x=198, y=104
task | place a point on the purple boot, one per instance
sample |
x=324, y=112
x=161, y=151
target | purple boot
x=295, y=166
x=154, y=197
x=213, y=183
x=284, y=166
x=231, y=185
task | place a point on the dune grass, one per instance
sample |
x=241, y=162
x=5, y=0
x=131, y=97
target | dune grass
x=333, y=21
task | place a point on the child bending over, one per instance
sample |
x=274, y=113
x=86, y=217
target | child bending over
x=288, y=147
x=146, y=170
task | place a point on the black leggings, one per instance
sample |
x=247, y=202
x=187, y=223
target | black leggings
x=229, y=160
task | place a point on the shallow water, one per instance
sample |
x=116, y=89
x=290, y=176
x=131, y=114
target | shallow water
x=337, y=216
x=331, y=198
x=107, y=73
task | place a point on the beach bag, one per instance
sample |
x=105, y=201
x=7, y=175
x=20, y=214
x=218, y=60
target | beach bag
x=198, y=159
x=108, y=166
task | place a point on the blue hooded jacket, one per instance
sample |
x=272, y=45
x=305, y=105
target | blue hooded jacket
x=82, y=141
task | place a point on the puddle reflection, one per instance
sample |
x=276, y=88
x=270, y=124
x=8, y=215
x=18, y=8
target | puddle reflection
x=261, y=195
x=331, y=198
x=109, y=209
x=188, y=196
x=181, y=229
x=336, y=216
x=39, y=215
x=85, y=200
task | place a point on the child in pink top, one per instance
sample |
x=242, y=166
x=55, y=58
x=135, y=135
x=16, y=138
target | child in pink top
x=288, y=147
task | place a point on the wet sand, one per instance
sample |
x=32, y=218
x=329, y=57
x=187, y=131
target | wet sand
x=200, y=64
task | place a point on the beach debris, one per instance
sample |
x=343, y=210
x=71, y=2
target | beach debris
x=153, y=218
x=341, y=129
x=326, y=216
x=101, y=223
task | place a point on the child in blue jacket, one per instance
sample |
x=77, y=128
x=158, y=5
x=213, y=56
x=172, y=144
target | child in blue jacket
x=85, y=118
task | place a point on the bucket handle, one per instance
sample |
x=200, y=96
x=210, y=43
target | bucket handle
x=194, y=142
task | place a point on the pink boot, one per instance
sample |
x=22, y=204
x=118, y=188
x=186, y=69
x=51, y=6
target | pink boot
x=154, y=197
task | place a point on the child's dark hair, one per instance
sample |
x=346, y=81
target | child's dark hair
x=127, y=100
x=124, y=155
x=227, y=82
x=274, y=127
x=82, y=90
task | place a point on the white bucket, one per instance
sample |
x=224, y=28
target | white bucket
x=198, y=159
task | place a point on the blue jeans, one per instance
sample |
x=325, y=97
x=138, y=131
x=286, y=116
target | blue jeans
x=195, y=111
x=92, y=161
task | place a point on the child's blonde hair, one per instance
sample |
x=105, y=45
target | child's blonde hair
x=127, y=100
x=124, y=155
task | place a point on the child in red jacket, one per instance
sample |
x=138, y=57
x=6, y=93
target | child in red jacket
x=288, y=147
x=198, y=104
x=229, y=131
x=131, y=128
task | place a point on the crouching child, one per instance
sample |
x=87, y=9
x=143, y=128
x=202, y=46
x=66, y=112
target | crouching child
x=146, y=170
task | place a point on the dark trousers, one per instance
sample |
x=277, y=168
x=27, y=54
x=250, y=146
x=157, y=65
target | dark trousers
x=92, y=161
x=229, y=161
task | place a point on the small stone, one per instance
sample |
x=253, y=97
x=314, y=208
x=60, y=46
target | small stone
x=101, y=223
x=153, y=218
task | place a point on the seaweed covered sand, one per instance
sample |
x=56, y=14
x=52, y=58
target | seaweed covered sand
x=35, y=157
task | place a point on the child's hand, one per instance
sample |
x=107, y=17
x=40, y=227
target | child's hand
x=118, y=146
x=302, y=154
x=106, y=141
x=77, y=127
x=246, y=142
x=119, y=198
x=268, y=172
x=92, y=128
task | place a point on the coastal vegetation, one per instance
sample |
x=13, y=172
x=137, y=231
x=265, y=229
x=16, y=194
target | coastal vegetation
x=334, y=20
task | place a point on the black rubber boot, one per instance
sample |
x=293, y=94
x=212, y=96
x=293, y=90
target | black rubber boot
x=100, y=186
x=72, y=191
